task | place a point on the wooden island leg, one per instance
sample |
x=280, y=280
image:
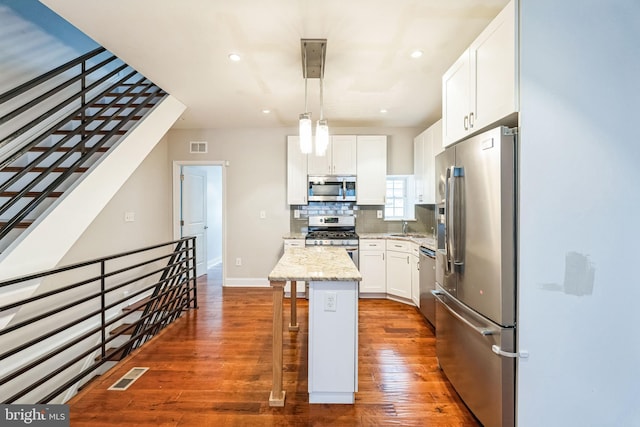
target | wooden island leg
x=293, y=323
x=276, y=398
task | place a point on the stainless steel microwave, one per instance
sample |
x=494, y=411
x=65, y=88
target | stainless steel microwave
x=332, y=188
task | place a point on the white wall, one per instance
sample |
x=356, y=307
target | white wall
x=579, y=203
x=256, y=180
x=109, y=233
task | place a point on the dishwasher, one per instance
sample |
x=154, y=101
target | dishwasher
x=428, y=284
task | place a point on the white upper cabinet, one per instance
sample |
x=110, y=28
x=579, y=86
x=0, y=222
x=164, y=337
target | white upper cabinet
x=296, y=173
x=371, y=161
x=425, y=148
x=480, y=88
x=340, y=158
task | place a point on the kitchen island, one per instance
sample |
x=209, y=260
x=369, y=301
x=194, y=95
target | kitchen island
x=333, y=321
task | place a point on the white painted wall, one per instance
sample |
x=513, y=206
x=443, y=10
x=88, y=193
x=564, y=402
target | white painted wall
x=579, y=203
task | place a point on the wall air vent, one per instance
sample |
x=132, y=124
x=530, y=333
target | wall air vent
x=198, y=147
x=128, y=379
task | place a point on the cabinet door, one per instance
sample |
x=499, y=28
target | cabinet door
x=343, y=154
x=418, y=166
x=296, y=173
x=493, y=56
x=399, y=274
x=372, y=268
x=320, y=165
x=455, y=100
x=433, y=146
x=371, y=155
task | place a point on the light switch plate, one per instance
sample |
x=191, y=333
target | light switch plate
x=379, y=214
x=129, y=216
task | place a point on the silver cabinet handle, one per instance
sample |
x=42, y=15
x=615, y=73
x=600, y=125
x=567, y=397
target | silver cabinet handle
x=482, y=331
x=466, y=122
x=471, y=121
x=497, y=350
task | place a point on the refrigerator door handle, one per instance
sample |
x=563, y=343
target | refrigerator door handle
x=482, y=331
x=457, y=214
x=497, y=350
x=448, y=229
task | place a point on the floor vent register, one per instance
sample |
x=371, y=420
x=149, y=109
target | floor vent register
x=128, y=379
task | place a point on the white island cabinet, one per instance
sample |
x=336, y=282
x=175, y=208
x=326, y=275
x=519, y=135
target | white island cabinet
x=333, y=322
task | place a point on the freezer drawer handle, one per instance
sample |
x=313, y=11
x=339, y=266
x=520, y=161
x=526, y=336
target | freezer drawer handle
x=497, y=350
x=481, y=331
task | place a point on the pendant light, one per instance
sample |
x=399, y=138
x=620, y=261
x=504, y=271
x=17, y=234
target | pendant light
x=305, y=118
x=322, y=126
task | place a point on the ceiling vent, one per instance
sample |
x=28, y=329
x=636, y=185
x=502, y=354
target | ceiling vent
x=198, y=147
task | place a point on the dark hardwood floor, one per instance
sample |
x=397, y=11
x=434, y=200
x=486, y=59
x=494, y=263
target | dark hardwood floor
x=213, y=368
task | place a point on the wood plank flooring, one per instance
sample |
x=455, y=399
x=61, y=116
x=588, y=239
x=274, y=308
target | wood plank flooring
x=213, y=368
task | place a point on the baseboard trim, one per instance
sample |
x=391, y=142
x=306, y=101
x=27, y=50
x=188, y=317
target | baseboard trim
x=246, y=282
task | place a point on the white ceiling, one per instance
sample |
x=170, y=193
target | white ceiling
x=183, y=45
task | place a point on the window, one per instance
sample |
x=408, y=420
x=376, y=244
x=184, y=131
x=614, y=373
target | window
x=400, y=204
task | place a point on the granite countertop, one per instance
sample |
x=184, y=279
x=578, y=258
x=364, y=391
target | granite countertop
x=315, y=263
x=292, y=235
x=421, y=239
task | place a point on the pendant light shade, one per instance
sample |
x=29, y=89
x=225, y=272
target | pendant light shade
x=305, y=133
x=322, y=137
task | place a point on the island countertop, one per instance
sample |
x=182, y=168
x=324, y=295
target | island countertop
x=315, y=263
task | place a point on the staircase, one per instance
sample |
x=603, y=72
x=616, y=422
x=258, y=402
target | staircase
x=95, y=108
x=69, y=140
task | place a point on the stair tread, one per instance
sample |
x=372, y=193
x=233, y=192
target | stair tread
x=30, y=194
x=21, y=224
x=113, y=354
x=138, y=305
x=40, y=169
x=105, y=117
x=62, y=149
x=100, y=132
x=124, y=329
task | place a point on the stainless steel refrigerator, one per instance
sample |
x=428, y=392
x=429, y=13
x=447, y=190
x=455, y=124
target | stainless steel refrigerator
x=476, y=272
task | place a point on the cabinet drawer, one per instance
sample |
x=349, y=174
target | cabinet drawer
x=399, y=245
x=371, y=245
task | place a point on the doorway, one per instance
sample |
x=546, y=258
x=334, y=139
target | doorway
x=199, y=211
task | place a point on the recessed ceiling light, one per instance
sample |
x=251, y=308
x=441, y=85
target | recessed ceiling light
x=266, y=111
x=383, y=110
x=416, y=54
x=234, y=57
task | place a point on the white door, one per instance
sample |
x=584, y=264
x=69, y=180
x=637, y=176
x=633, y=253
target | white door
x=194, y=212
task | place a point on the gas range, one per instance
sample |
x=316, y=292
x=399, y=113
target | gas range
x=332, y=230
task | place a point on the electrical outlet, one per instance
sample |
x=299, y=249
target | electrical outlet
x=296, y=213
x=330, y=301
x=129, y=216
x=238, y=262
x=379, y=214
x=263, y=214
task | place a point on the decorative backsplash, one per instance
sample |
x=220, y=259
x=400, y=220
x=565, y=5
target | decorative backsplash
x=367, y=220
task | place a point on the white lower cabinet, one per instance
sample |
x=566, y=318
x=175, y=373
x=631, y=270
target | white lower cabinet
x=372, y=266
x=399, y=268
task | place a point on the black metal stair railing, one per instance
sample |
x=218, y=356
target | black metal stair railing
x=83, y=107
x=75, y=318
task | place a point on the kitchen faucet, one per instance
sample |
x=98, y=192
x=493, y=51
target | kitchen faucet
x=404, y=227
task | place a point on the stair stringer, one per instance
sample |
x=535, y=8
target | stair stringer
x=48, y=240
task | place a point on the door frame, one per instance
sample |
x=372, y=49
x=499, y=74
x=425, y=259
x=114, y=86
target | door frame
x=177, y=164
